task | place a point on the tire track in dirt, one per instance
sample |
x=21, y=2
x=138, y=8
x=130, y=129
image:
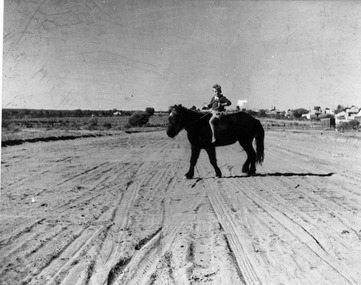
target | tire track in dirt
x=224, y=214
x=291, y=222
x=314, y=190
x=94, y=174
x=312, y=151
x=313, y=240
x=112, y=265
x=49, y=251
x=301, y=204
x=104, y=180
x=89, y=250
x=146, y=249
x=77, y=248
x=18, y=230
x=322, y=191
x=224, y=211
x=59, y=214
x=133, y=220
x=143, y=264
x=68, y=257
x=65, y=209
x=154, y=262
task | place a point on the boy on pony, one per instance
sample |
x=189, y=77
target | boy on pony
x=217, y=104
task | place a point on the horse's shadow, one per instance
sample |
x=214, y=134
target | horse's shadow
x=279, y=174
x=287, y=174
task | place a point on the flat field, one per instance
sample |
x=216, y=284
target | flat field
x=116, y=210
x=28, y=129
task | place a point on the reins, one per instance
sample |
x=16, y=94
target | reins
x=193, y=122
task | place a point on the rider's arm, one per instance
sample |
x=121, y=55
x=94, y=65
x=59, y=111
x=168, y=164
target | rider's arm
x=226, y=102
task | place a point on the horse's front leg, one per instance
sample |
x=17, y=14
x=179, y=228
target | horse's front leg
x=194, y=157
x=212, y=158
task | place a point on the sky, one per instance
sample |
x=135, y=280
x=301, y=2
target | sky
x=129, y=55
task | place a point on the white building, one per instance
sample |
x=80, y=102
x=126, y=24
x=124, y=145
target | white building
x=349, y=114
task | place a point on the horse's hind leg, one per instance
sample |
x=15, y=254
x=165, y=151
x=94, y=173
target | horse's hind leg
x=249, y=166
x=212, y=158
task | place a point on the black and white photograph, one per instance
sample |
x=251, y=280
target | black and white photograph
x=180, y=142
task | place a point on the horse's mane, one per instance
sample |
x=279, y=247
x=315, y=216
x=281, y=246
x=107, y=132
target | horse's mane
x=185, y=110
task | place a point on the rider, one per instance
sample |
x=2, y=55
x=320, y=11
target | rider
x=216, y=105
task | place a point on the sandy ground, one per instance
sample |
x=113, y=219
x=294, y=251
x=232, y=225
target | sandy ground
x=116, y=210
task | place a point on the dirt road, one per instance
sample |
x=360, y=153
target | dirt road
x=116, y=210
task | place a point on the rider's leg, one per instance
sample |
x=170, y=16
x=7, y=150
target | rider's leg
x=211, y=121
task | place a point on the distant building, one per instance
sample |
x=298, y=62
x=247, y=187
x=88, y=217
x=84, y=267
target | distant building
x=352, y=113
x=274, y=112
x=288, y=113
x=313, y=114
x=328, y=111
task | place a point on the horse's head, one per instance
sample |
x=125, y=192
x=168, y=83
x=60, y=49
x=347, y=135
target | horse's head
x=175, y=121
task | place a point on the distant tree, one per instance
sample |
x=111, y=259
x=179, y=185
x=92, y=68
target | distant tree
x=87, y=113
x=339, y=109
x=262, y=113
x=326, y=116
x=251, y=112
x=150, y=111
x=127, y=113
x=138, y=119
x=92, y=123
x=107, y=125
x=78, y=113
x=193, y=108
x=297, y=113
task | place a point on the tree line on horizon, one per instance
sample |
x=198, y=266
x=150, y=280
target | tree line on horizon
x=10, y=113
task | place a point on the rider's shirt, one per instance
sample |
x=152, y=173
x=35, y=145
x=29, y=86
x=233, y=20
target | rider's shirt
x=216, y=102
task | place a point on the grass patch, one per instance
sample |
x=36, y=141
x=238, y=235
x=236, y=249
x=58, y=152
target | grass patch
x=348, y=125
x=13, y=129
x=270, y=124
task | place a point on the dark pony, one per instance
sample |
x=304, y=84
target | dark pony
x=229, y=129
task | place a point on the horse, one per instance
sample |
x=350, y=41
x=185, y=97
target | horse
x=229, y=129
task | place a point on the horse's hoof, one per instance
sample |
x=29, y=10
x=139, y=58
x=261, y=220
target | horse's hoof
x=245, y=170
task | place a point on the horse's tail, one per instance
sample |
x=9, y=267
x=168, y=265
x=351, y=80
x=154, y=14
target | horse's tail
x=259, y=142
